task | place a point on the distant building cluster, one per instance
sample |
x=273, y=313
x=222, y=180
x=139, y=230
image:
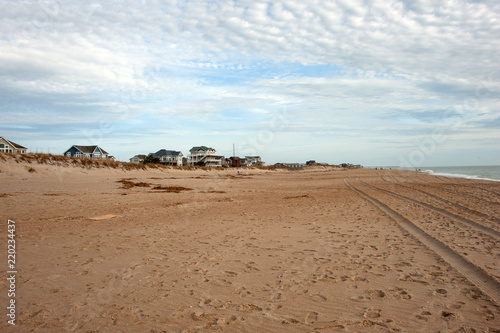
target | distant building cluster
x=248, y=161
x=350, y=166
x=312, y=163
x=198, y=155
x=94, y=152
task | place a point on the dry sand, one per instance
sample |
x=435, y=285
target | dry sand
x=322, y=250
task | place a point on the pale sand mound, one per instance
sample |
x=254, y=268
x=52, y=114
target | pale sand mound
x=322, y=250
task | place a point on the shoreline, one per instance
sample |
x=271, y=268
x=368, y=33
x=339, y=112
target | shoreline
x=461, y=176
x=465, y=172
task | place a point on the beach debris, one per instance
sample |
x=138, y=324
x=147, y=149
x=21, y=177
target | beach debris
x=128, y=183
x=297, y=197
x=174, y=189
x=102, y=217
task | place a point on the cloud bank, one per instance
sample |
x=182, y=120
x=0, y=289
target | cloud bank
x=357, y=81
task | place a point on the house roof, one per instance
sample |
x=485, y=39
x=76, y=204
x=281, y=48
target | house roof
x=18, y=146
x=196, y=148
x=164, y=152
x=89, y=149
x=140, y=156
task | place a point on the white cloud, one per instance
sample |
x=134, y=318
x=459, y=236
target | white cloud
x=387, y=64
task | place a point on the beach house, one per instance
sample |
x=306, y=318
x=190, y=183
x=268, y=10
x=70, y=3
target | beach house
x=235, y=162
x=169, y=157
x=7, y=146
x=291, y=165
x=86, y=151
x=202, y=155
x=253, y=161
x=137, y=159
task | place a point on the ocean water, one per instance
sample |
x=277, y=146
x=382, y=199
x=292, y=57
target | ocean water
x=491, y=172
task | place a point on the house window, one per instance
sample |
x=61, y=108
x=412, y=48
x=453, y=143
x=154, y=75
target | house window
x=68, y=154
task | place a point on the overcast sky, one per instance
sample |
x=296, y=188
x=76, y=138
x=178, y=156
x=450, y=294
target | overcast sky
x=412, y=83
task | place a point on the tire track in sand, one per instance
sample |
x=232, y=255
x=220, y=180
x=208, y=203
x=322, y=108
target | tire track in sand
x=448, y=202
x=450, y=188
x=478, y=226
x=487, y=283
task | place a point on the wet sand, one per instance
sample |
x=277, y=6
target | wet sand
x=320, y=250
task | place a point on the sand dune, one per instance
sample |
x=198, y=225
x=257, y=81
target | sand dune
x=320, y=250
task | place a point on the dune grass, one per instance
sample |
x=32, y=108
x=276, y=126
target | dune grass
x=89, y=163
x=60, y=160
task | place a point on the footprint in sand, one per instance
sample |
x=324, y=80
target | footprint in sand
x=245, y=293
x=319, y=298
x=400, y=293
x=361, y=298
x=376, y=293
x=372, y=313
x=230, y=273
x=225, y=321
x=250, y=266
x=440, y=292
x=242, y=291
x=448, y=315
x=456, y=305
x=311, y=317
x=472, y=293
x=487, y=313
x=275, y=297
x=424, y=315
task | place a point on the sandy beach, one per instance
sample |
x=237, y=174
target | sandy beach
x=316, y=250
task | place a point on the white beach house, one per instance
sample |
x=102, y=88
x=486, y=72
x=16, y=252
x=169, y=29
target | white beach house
x=202, y=155
x=7, y=146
